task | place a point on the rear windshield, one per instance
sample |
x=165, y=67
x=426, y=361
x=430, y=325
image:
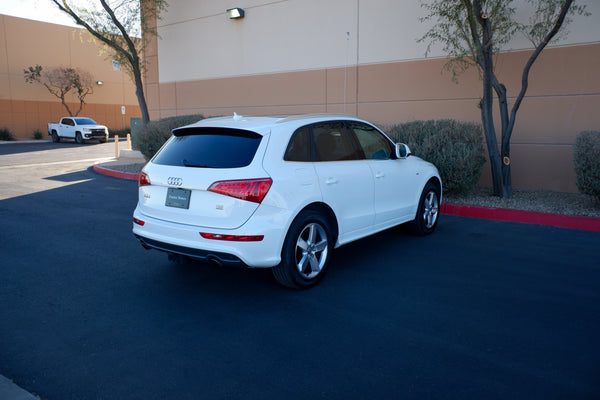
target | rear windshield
x=209, y=148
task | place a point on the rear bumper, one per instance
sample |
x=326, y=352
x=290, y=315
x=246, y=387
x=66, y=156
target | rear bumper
x=198, y=254
x=186, y=239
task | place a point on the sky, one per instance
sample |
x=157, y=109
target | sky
x=40, y=10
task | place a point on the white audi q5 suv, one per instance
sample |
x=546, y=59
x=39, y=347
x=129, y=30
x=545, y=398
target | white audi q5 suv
x=280, y=192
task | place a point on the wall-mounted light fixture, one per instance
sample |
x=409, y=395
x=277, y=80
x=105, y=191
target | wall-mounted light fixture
x=99, y=83
x=235, y=13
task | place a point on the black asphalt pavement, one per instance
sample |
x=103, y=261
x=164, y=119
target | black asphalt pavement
x=478, y=310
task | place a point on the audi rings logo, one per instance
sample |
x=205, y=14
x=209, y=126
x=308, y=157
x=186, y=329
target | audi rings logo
x=173, y=181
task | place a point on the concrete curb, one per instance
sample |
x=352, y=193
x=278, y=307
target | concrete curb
x=116, y=174
x=496, y=214
x=10, y=391
x=525, y=217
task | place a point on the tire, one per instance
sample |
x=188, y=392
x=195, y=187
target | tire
x=305, y=253
x=55, y=137
x=428, y=212
x=78, y=138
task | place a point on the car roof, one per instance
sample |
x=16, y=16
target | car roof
x=262, y=124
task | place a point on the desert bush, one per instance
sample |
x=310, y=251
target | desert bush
x=37, y=134
x=456, y=148
x=587, y=162
x=6, y=135
x=150, y=138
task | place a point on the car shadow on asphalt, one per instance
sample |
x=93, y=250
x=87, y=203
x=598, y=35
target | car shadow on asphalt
x=72, y=177
x=18, y=148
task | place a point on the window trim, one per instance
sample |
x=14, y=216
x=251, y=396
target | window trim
x=349, y=131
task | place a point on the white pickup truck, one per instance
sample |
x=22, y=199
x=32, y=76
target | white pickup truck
x=79, y=129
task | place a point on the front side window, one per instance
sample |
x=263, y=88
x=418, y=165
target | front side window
x=374, y=145
x=209, y=148
x=332, y=142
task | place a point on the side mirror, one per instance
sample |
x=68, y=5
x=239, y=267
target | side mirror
x=402, y=150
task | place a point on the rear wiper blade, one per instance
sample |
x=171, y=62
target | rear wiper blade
x=189, y=164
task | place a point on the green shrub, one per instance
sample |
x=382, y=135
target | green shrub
x=456, y=148
x=150, y=138
x=6, y=135
x=37, y=134
x=587, y=162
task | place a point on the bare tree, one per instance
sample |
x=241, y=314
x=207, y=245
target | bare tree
x=472, y=33
x=62, y=81
x=119, y=24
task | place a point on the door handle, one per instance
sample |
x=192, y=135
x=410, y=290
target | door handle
x=331, y=181
x=379, y=175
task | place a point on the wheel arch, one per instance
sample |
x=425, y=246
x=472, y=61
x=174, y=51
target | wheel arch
x=437, y=182
x=326, y=211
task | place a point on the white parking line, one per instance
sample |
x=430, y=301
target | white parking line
x=95, y=160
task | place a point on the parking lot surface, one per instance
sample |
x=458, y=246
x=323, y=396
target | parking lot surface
x=480, y=309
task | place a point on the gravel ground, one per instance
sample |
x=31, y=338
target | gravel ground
x=529, y=200
x=134, y=168
x=533, y=200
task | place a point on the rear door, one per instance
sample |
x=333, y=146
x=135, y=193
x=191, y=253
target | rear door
x=346, y=183
x=183, y=171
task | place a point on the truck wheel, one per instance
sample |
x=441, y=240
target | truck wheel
x=55, y=137
x=78, y=138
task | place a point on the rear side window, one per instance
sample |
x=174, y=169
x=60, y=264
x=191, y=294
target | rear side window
x=209, y=148
x=299, y=147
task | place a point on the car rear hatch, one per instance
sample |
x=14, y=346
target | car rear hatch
x=183, y=175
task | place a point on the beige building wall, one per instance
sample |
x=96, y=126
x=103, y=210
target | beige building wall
x=362, y=57
x=25, y=107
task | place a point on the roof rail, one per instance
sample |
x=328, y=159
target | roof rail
x=318, y=115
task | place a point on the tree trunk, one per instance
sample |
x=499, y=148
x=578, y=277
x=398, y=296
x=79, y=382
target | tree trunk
x=64, y=103
x=492, y=145
x=487, y=116
x=139, y=92
x=506, y=132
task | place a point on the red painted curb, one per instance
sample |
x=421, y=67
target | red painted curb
x=116, y=174
x=526, y=217
x=496, y=214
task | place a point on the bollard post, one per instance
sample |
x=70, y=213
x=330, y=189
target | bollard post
x=117, y=147
x=128, y=141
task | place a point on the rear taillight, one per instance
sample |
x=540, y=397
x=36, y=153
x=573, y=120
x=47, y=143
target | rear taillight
x=138, y=221
x=144, y=179
x=232, y=238
x=253, y=190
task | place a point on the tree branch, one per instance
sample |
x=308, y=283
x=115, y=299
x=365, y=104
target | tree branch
x=525, y=77
x=130, y=44
x=65, y=8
